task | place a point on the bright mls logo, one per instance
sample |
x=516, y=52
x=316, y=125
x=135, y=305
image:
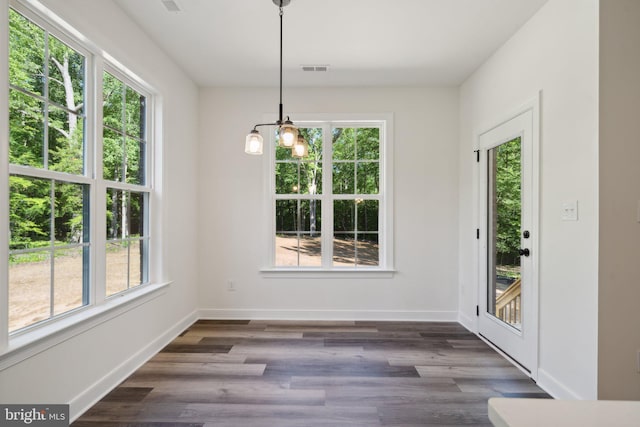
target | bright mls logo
x=34, y=415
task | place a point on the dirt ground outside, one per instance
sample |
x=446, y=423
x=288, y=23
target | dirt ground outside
x=30, y=293
x=308, y=254
x=30, y=299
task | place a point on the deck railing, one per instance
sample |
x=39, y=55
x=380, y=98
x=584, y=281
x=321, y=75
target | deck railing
x=508, y=304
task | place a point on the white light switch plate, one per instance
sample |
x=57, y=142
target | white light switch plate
x=569, y=210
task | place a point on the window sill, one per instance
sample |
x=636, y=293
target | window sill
x=317, y=273
x=31, y=342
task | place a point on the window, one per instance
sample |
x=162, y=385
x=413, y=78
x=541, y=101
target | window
x=48, y=188
x=298, y=205
x=64, y=185
x=331, y=209
x=124, y=150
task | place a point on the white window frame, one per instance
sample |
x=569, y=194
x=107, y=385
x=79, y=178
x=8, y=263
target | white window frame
x=383, y=121
x=146, y=188
x=25, y=342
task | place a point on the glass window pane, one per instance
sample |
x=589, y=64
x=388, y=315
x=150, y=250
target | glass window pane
x=112, y=107
x=136, y=211
x=112, y=155
x=344, y=215
x=311, y=177
x=287, y=250
x=287, y=178
x=134, y=155
x=310, y=216
x=26, y=130
x=29, y=212
x=283, y=153
x=343, y=144
x=136, y=263
x=66, y=141
x=504, y=198
x=368, y=143
x=115, y=220
x=343, y=178
x=310, y=250
x=68, y=280
x=344, y=250
x=368, y=178
x=66, y=75
x=286, y=216
x=367, y=215
x=70, y=208
x=313, y=136
x=367, y=250
x=26, y=54
x=117, y=267
x=135, y=112
x=29, y=289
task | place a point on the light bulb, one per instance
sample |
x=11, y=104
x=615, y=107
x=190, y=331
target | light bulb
x=287, y=138
x=254, y=143
x=299, y=150
x=288, y=134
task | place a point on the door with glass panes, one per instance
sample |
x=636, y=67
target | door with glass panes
x=507, y=277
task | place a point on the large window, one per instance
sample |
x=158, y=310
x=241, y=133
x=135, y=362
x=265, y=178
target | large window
x=331, y=208
x=124, y=149
x=60, y=173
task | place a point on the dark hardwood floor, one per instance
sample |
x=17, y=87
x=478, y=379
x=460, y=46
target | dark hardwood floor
x=282, y=374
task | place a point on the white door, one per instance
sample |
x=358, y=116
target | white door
x=508, y=312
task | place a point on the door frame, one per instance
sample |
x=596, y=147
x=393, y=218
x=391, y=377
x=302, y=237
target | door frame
x=532, y=329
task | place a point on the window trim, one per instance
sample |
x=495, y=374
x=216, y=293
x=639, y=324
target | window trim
x=385, y=196
x=149, y=176
x=4, y=179
x=26, y=342
x=32, y=340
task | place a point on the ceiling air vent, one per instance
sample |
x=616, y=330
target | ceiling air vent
x=171, y=5
x=315, y=67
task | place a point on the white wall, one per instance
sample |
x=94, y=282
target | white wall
x=80, y=369
x=619, y=269
x=232, y=242
x=556, y=52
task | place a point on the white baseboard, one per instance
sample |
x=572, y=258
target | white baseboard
x=386, y=315
x=89, y=397
x=471, y=323
x=556, y=389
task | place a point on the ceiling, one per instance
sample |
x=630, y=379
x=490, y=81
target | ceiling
x=364, y=42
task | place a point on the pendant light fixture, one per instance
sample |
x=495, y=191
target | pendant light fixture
x=288, y=136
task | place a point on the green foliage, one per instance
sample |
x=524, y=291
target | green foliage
x=356, y=160
x=50, y=135
x=125, y=214
x=29, y=213
x=123, y=136
x=356, y=171
x=300, y=176
x=26, y=54
x=31, y=199
x=508, y=201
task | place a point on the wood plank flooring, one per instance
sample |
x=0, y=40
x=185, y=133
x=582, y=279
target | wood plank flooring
x=285, y=374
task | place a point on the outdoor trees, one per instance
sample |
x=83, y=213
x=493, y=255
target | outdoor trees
x=46, y=131
x=508, y=202
x=355, y=172
x=53, y=166
x=46, y=120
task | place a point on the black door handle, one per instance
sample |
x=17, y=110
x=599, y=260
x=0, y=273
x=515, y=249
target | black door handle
x=524, y=252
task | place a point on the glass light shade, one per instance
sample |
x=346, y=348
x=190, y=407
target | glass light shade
x=300, y=148
x=254, y=143
x=288, y=134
